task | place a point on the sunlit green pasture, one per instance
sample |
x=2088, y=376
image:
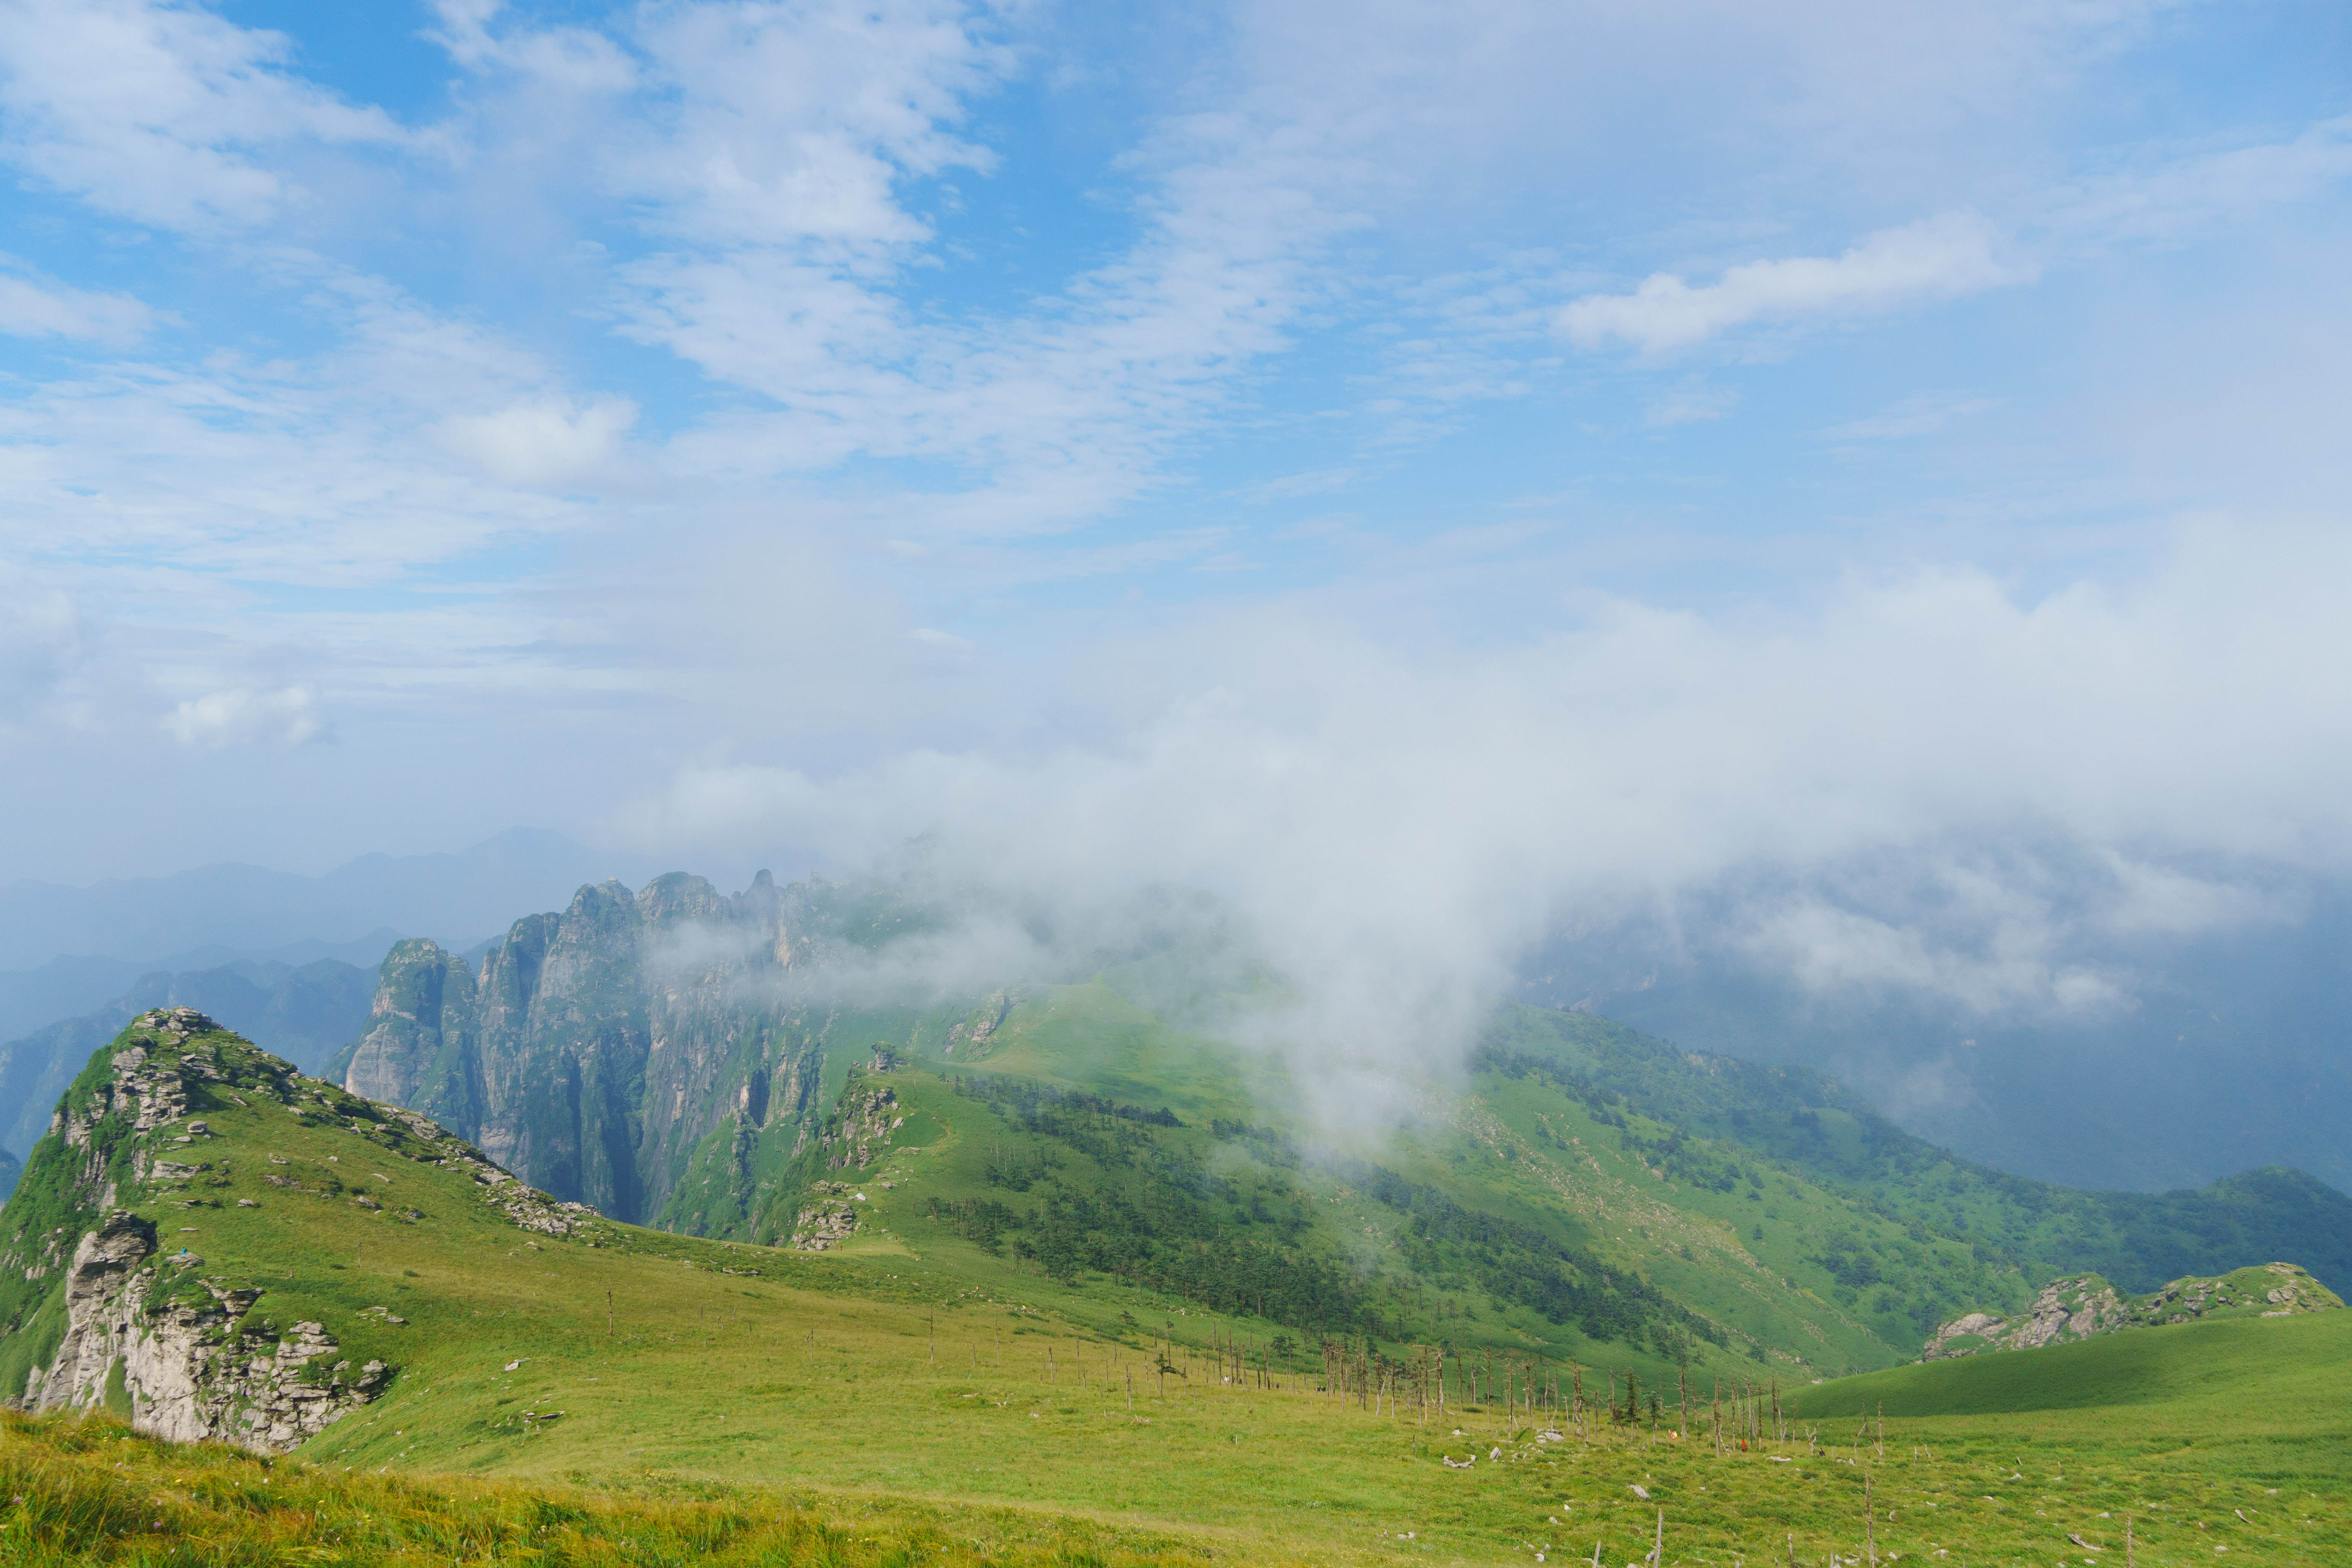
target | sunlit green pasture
x=625, y=1395
x=882, y=1376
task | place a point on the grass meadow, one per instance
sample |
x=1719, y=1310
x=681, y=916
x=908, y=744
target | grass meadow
x=631, y=1396
x=735, y=1420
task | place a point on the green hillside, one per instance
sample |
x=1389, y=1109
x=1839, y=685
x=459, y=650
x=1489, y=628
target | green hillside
x=2243, y=1365
x=558, y=1384
x=1524, y=1208
x=1806, y=1121
x=1756, y=1212
x=668, y=1055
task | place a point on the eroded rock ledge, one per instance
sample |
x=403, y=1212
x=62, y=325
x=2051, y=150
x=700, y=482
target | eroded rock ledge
x=148, y=1332
x=191, y=1363
x=2083, y=1305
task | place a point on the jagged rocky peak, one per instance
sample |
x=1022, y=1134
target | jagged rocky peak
x=2081, y=1306
x=95, y=1309
x=598, y=1045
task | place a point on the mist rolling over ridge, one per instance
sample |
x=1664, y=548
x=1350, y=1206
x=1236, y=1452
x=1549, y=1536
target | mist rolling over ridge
x=1008, y=783
x=1923, y=813
x=1843, y=514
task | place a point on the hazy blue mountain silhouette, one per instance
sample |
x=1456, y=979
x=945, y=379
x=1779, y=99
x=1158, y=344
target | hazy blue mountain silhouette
x=304, y=1012
x=244, y=909
x=2225, y=1051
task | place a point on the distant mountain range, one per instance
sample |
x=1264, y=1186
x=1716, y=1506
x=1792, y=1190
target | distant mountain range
x=2217, y=1051
x=65, y=988
x=240, y=911
x=685, y=1059
x=303, y=1013
x=67, y=953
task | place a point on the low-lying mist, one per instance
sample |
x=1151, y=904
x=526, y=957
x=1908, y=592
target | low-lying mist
x=1933, y=788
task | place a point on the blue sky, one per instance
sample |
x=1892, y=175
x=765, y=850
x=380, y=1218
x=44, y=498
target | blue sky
x=1594, y=450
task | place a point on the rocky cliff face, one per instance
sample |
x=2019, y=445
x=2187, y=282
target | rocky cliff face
x=2083, y=1305
x=95, y=1311
x=183, y=1363
x=597, y=1050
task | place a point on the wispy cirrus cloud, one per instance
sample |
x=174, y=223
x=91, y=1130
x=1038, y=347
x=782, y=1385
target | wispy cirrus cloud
x=1921, y=413
x=156, y=112
x=32, y=305
x=1941, y=257
x=2182, y=193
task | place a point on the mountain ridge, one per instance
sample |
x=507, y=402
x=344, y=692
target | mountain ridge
x=301, y=1012
x=671, y=1056
x=97, y=1307
x=244, y=907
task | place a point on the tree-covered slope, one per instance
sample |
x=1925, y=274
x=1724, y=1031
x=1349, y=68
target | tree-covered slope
x=1805, y=1121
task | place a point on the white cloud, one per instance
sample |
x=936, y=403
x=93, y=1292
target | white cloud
x=2185, y=193
x=570, y=58
x=1690, y=406
x=1941, y=257
x=783, y=124
x=543, y=443
x=159, y=112
x=2018, y=965
x=243, y=716
x=45, y=644
x=337, y=468
x=42, y=308
x=1060, y=413
x=1921, y=413
x=1395, y=825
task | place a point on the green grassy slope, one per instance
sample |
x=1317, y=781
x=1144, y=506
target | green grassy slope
x=285, y=1192
x=86, y=1492
x=1523, y=1211
x=2245, y=1363
x=1792, y=1224
x=912, y=1385
x=1805, y=1121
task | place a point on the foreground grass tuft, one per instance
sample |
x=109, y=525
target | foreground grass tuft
x=81, y=1491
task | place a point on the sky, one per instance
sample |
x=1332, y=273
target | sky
x=1425, y=474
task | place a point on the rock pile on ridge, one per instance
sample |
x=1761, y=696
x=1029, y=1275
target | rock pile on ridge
x=2082, y=1306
